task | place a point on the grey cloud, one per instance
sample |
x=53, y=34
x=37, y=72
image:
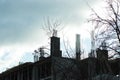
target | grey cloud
x=19, y=17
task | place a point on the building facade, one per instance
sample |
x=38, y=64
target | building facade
x=56, y=67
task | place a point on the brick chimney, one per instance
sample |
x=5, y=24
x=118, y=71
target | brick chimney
x=55, y=47
x=102, y=54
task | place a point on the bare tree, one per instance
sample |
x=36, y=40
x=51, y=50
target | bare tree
x=52, y=26
x=108, y=25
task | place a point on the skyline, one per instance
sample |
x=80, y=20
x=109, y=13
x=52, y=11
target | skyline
x=21, y=21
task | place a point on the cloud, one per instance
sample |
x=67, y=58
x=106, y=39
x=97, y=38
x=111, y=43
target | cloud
x=18, y=18
x=11, y=55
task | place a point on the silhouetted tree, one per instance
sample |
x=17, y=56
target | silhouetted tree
x=52, y=26
x=108, y=25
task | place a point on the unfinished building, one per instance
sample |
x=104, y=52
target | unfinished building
x=56, y=67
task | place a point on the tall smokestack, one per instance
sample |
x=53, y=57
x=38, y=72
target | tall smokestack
x=55, y=47
x=93, y=52
x=78, y=48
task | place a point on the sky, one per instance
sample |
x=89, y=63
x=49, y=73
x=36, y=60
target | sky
x=21, y=26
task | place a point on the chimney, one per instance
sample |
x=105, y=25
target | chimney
x=78, y=49
x=55, y=47
x=102, y=54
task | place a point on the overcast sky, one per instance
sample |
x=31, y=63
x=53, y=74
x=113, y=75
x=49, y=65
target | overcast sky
x=21, y=21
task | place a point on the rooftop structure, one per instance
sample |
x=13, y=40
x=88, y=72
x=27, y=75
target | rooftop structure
x=56, y=67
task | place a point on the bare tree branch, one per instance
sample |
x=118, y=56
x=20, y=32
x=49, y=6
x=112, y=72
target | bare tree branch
x=108, y=25
x=51, y=27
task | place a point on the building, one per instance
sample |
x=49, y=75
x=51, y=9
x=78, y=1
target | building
x=56, y=67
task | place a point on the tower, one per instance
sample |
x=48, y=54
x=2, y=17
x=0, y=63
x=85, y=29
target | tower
x=55, y=47
x=78, y=48
x=93, y=52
